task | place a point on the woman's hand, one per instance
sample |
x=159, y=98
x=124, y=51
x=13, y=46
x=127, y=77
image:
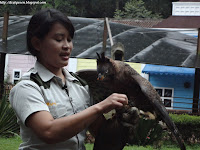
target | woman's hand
x=114, y=101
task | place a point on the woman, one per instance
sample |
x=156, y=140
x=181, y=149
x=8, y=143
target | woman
x=52, y=106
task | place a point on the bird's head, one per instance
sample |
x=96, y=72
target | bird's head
x=105, y=68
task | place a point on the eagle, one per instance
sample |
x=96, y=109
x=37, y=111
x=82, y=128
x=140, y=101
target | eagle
x=114, y=76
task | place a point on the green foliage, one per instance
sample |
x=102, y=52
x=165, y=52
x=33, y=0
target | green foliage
x=96, y=8
x=185, y=119
x=8, y=119
x=164, y=7
x=15, y=9
x=14, y=142
x=66, y=7
x=188, y=126
x=11, y=143
x=119, y=14
x=135, y=9
x=148, y=132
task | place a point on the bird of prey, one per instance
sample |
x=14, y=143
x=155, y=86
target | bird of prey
x=114, y=76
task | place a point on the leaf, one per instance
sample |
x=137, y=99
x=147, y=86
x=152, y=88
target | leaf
x=8, y=119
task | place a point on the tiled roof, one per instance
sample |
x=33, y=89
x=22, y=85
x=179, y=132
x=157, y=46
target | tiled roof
x=145, y=23
x=180, y=22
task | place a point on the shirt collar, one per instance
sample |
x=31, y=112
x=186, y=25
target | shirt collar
x=68, y=76
x=43, y=72
x=47, y=75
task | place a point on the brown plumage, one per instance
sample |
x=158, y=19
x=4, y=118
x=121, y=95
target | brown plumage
x=119, y=77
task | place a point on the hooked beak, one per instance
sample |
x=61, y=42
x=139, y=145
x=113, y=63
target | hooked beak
x=100, y=77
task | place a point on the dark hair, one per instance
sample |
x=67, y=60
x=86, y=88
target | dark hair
x=42, y=22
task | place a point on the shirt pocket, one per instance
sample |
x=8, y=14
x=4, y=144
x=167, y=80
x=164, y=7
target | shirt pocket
x=56, y=109
x=81, y=104
x=61, y=111
x=52, y=110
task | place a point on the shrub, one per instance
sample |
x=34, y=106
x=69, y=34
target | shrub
x=185, y=119
x=8, y=119
x=188, y=126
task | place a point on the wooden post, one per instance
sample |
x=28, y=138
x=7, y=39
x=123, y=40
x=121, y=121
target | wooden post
x=196, y=78
x=117, y=49
x=109, y=32
x=105, y=34
x=3, y=55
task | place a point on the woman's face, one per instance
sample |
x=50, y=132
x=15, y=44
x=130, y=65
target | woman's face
x=55, y=48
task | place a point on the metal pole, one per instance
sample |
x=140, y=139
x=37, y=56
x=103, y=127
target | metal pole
x=196, y=91
x=197, y=78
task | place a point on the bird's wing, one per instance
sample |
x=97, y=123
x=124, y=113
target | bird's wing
x=98, y=89
x=154, y=99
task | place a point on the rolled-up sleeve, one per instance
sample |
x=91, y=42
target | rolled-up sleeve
x=26, y=98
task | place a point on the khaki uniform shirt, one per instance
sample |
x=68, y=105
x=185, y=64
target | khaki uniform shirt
x=41, y=90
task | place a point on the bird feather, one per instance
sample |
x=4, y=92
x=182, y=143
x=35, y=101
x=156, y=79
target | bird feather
x=118, y=77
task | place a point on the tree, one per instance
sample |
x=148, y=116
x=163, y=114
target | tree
x=164, y=9
x=66, y=7
x=135, y=9
x=14, y=9
x=98, y=9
